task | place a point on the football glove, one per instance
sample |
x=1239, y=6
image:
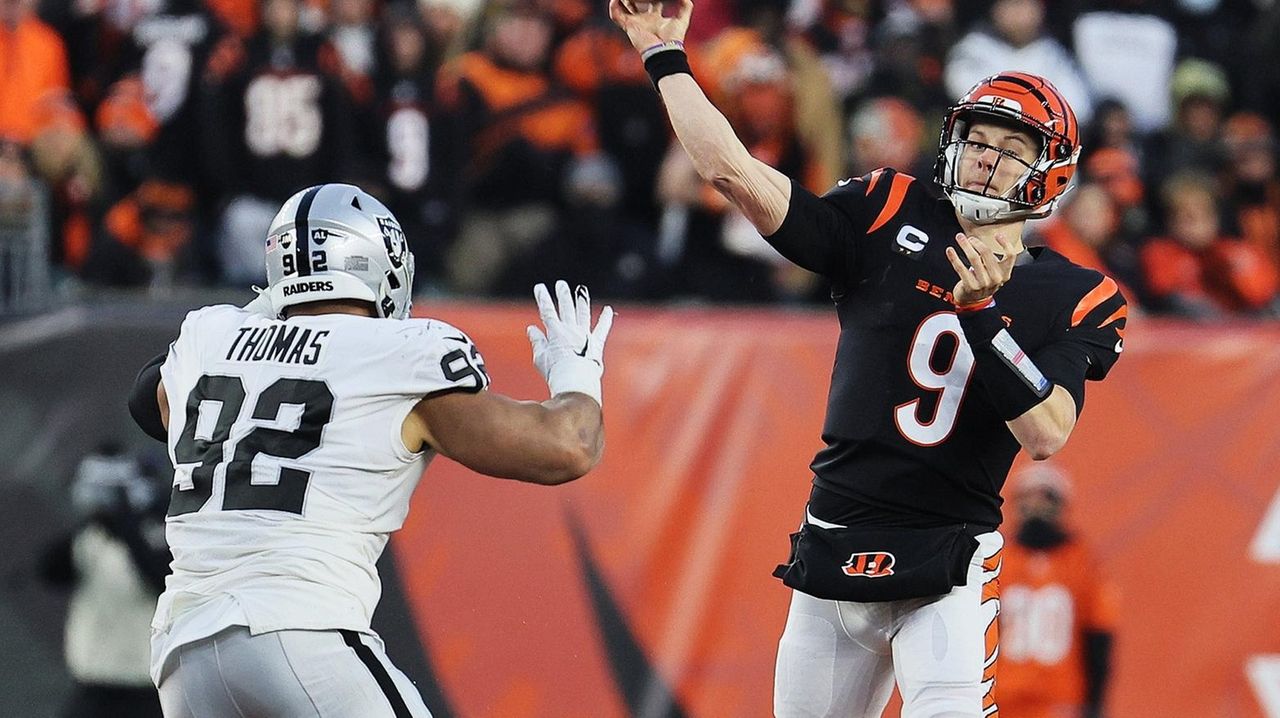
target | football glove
x=570, y=355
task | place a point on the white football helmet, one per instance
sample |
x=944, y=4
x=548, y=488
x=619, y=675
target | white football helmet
x=335, y=241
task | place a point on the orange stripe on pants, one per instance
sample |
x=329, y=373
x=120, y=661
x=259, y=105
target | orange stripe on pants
x=991, y=592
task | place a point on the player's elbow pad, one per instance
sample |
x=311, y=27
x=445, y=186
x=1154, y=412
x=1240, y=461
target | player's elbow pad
x=143, y=405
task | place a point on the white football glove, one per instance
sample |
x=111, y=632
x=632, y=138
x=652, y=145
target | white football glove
x=570, y=355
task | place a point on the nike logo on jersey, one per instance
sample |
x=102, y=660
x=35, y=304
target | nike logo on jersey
x=458, y=338
x=1119, y=345
x=843, y=182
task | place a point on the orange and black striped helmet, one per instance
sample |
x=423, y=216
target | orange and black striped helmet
x=1032, y=103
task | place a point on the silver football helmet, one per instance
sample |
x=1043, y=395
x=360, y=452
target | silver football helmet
x=335, y=241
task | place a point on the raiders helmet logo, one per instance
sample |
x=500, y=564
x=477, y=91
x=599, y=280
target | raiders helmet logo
x=393, y=238
x=872, y=564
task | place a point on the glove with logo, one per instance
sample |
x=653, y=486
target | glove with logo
x=570, y=355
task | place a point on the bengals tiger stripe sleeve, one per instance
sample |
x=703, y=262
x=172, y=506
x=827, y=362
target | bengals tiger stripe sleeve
x=821, y=234
x=1092, y=341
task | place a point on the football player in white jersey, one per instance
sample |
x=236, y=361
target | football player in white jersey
x=298, y=427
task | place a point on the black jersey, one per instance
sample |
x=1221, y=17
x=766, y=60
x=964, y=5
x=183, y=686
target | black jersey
x=909, y=435
x=275, y=117
x=168, y=49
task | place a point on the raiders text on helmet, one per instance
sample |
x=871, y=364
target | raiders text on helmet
x=335, y=241
x=1032, y=104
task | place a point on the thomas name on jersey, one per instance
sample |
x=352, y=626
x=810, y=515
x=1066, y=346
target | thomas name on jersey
x=278, y=343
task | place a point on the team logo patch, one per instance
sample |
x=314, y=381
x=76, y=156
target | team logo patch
x=319, y=235
x=285, y=238
x=998, y=101
x=871, y=564
x=393, y=238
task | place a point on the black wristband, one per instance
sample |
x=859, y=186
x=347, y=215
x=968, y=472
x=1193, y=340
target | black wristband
x=672, y=61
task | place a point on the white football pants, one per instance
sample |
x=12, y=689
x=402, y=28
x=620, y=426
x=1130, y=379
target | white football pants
x=838, y=658
x=286, y=674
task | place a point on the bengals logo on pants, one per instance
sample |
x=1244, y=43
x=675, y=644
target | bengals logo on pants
x=872, y=564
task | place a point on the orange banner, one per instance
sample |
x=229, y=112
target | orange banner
x=644, y=589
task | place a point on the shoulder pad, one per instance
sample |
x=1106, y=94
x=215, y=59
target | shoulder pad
x=444, y=358
x=875, y=197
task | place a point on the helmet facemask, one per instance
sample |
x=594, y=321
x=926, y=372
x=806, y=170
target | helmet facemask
x=1022, y=199
x=1031, y=105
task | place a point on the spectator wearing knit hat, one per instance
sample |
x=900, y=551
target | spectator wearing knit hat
x=1193, y=143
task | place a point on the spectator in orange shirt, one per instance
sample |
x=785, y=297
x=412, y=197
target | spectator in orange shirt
x=1057, y=610
x=1195, y=270
x=1087, y=232
x=516, y=134
x=1117, y=171
x=142, y=236
x=33, y=61
x=1255, y=190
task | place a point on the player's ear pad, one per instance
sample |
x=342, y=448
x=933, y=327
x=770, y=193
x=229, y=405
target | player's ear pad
x=882, y=563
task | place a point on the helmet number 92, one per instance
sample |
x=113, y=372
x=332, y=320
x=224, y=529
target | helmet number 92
x=319, y=262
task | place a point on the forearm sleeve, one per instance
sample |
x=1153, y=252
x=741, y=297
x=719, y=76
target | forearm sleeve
x=143, y=405
x=1012, y=381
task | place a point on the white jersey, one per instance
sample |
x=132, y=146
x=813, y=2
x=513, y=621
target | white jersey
x=290, y=470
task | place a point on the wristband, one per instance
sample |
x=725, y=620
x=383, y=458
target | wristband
x=652, y=50
x=576, y=374
x=669, y=58
x=976, y=306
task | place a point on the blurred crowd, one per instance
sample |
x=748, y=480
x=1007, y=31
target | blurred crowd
x=520, y=139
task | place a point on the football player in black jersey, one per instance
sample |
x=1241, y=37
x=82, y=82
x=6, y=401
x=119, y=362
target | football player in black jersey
x=958, y=347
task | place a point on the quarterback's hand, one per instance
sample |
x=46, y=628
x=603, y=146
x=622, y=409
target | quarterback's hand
x=645, y=25
x=570, y=355
x=986, y=272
